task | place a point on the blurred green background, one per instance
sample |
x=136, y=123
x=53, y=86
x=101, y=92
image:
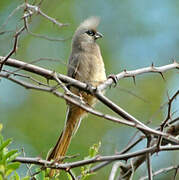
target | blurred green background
x=136, y=33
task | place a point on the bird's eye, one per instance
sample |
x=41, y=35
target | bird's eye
x=90, y=32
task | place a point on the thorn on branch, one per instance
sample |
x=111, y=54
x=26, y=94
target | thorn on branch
x=48, y=80
x=134, y=80
x=162, y=76
x=152, y=65
x=173, y=60
x=67, y=169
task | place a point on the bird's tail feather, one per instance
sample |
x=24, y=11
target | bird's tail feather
x=73, y=119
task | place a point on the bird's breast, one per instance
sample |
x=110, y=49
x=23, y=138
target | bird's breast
x=91, y=69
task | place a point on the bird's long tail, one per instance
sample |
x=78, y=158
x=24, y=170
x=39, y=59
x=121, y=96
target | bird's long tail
x=74, y=117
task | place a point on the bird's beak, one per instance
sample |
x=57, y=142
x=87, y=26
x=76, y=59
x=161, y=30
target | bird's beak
x=98, y=35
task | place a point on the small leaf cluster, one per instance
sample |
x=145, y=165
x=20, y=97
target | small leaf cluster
x=93, y=151
x=7, y=167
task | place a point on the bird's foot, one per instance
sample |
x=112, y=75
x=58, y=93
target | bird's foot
x=114, y=78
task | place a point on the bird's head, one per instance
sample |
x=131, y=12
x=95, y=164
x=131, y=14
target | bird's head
x=87, y=31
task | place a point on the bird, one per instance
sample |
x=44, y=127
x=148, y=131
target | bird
x=86, y=65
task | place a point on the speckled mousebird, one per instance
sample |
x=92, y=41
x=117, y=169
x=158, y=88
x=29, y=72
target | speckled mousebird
x=86, y=65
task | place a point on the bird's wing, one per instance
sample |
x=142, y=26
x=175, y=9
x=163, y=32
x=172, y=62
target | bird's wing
x=73, y=66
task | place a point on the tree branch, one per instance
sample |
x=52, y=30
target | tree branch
x=65, y=166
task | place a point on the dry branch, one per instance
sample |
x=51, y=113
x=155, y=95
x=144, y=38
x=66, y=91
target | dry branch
x=95, y=91
x=174, y=130
x=49, y=74
x=96, y=159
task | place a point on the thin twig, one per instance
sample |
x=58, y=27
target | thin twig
x=27, y=77
x=67, y=91
x=37, y=10
x=148, y=155
x=173, y=130
x=163, y=170
x=72, y=174
x=27, y=165
x=39, y=35
x=11, y=14
x=14, y=47
x=114, y=170
x=163, y=124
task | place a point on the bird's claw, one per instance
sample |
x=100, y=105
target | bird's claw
x=114, y=78
x=88, y=86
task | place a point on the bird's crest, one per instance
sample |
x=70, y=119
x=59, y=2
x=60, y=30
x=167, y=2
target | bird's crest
x=90, y=23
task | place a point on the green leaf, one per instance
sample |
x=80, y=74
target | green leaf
x=13, y=166
x=9, y=154
x=5, y=144
x=86, y=176
x=69, y=176
x=8, y=172
x=93, y=151
x=1, y=139
x=2, y=169
x=16, y=176
x=12, y=157
x=41, y=175
x=1, y=126
x=46, y=178
x=26, y=178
